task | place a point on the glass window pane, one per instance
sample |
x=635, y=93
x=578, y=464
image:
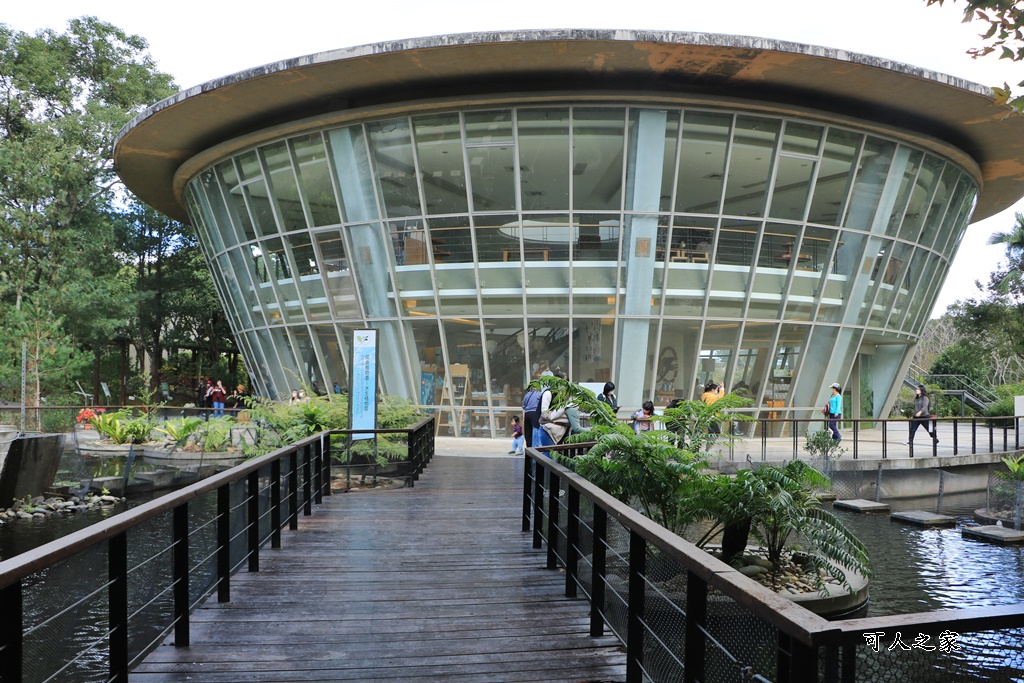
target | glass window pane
x=737, y=242
x=544, y=158
x=282, y=182
x=453, y=266
x=872, y=172
x=792, y=185
x=785, y=364
x=465, y=355
x=370, y=257
x=750, y=163
x=233, y=197
x=315, y=179
x=832, y=185
x=547, y=238
x=259, y=206
x=497, y=238
x=335, y=264
x=409, y=242
x=391, y=147
x=939, y=210
x=688, y=265
x=451, y=240
x=897, y=215
x=887, y=274
x=918, y=206
x=431, y=361
x=801, y=138
x=302, y=252
x=961, y=205
x=212, y=229
x=597, y=159
x=491, y=176
x=334, y=355
x=439, y=147
x=506, y=360
x=597, y=237
x=702, y=161
x=248, y=166
x=489, y=127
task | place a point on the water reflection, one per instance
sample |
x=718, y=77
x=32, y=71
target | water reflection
x=919, y=569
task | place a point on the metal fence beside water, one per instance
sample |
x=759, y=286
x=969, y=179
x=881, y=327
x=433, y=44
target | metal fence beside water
x=685, y=616
x=91, y=605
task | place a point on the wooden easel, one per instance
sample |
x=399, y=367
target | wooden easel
x=455, y=393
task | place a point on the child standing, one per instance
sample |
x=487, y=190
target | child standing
x=517, y=437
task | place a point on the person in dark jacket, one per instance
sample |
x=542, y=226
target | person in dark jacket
x=922, y=414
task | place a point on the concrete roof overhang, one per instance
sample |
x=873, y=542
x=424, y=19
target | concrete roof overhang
x=159, y=150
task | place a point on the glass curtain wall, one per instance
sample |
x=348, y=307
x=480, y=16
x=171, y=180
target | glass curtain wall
x=656, y=247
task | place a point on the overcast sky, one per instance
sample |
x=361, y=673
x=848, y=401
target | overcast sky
x=199, y=41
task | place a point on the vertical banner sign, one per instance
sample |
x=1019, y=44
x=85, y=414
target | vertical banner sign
x=363, y=396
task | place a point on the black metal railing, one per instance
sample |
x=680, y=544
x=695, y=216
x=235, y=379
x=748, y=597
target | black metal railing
x=681, y=613
x=785, y=437
x=91, y=605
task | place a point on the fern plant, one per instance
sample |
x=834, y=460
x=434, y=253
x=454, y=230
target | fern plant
x=773, y=505
x=180, y=430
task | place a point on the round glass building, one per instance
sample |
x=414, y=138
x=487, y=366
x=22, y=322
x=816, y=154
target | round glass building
x=654, y=209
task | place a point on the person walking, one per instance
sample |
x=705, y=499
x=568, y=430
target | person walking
x=517, y=437
x=922, y=413
x=835, y=411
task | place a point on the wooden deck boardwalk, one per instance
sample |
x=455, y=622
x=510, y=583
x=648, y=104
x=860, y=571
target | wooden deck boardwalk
x=434, y=583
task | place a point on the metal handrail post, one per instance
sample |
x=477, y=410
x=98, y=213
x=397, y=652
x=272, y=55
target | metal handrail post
x=12, y=606
x=538, y=504
x=635, y=608
x=598, y=568
x=293, y=490
x=307, y=484
x=275, y=504
x=572, y=537
x=318, y=473
x=527, y=481
x=117, y=607
x=252, y=498
x=554, y=488
x=856, y=436
x=224, y=543
x=180, y=575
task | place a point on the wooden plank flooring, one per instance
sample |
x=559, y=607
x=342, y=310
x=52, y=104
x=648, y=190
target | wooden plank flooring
x=435, y=583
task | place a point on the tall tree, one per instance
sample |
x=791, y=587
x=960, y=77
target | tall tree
x=63, y=97
x=176, y=304
x=1012, y=278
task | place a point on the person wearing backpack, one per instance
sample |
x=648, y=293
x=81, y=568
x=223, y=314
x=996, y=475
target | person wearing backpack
x=531, y=414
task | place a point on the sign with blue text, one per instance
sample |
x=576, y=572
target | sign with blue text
x=363, y=396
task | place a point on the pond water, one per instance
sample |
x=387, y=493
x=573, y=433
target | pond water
x=919, y=569
x=916, y=569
